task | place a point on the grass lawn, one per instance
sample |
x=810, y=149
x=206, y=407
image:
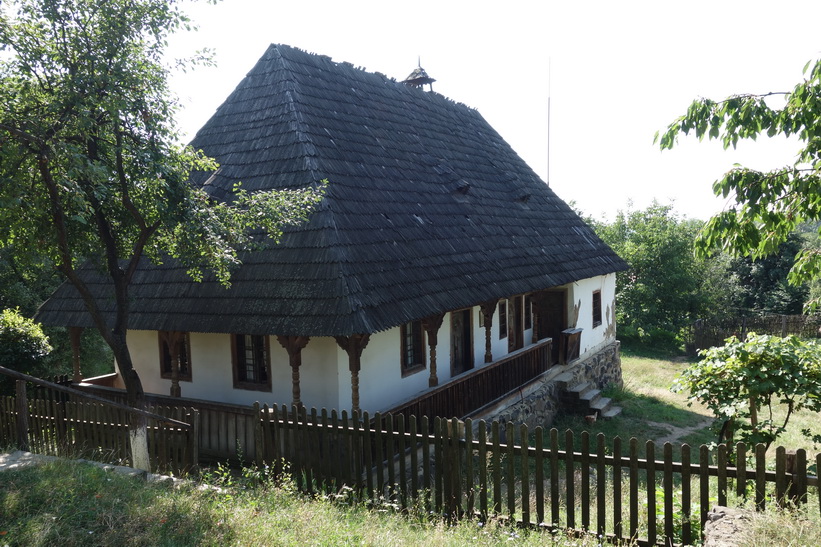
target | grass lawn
x=74, y=504
x=70, y=504
x=651, y=411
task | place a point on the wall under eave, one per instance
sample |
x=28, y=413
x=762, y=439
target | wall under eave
x=325, y=375
x=580, y=308
x=212, y=374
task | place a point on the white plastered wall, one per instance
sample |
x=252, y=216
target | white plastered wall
x=212, y=373
x=580, y=307
x=324, y=374
x=381, y=385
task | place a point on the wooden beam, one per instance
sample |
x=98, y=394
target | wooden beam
x=294, y=345
x=353, y=346
x=431, y=324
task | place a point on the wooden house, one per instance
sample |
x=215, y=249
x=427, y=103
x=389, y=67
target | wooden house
x=436, y=253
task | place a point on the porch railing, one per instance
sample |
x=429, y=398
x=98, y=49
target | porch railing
x=482, y=386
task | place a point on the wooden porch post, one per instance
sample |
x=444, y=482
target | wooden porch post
x=75, y=333
x=294, y=345
x=431, y=325
x=534, y=310
x=174, y=339
x=353, y=346
x=487, y=309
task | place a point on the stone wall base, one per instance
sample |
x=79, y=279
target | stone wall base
x=537, y=404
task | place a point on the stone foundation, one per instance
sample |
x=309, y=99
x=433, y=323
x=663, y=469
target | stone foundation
x=538, y=403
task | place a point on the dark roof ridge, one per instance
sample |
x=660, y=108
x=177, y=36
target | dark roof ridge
x=337, y=251
x=306, y=143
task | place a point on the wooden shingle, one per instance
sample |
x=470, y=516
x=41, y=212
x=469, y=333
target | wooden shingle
x=428, y=210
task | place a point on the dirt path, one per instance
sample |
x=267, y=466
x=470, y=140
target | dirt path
x=675, y=433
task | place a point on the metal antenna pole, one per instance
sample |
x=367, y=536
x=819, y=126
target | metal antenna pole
x=548, y=119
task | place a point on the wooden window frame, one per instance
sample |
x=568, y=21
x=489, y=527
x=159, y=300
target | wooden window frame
x=238, y=360
x=502, y=319
x=165, y=358
x=418, y=340
x=597, y=315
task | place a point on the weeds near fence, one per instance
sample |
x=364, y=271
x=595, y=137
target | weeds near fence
x=69, y=504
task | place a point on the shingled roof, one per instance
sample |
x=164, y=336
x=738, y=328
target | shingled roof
x=428, y=210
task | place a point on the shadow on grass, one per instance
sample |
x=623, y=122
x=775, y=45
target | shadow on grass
x=643, y=417
x=649, y=352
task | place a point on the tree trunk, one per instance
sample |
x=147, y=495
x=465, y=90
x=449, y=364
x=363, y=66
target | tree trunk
x=135, y=397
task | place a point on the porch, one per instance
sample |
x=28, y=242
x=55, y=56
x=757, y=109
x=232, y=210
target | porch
x=224, y=426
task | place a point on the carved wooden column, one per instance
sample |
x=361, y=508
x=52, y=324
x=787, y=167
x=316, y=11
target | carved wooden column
x=487, y=309
x=294, y=345
x=431, y=325
x=353, y=346
x=535, y=306
x=75, y=333
x=174, y=340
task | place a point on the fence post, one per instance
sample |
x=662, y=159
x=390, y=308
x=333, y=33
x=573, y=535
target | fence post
x=259, y=438
x=22, y=417
x=791, y=469
x=194, y=462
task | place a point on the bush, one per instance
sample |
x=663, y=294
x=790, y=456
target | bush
x=23, y=346
x=742, y=379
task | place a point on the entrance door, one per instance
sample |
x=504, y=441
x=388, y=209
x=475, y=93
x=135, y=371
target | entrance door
x=552, y=314
x=461, y=342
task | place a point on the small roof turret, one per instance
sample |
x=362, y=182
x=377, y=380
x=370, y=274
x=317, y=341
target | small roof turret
x=418, y=78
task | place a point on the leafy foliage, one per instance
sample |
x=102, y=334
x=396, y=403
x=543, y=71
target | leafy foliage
x=762, y=282
x=742, y=380
x=90, y=165
x=23, y=346
x=666, y=287
x=768, y=205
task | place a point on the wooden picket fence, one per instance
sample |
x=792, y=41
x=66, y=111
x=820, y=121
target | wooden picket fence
x=95, y=431
x=619, y=489
x=61, y=421
x=706, y=333
x=508, y=471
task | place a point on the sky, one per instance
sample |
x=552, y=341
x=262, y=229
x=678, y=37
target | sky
x=612, y=73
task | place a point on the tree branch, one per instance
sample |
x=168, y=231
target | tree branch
x=24, y=135
x=64, y=248
x=123, y=180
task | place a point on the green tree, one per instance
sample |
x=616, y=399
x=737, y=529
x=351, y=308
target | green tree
x=763, y=285
x=768, y=206
x=666, y=287
x=91, y=170
x=740, y=382
x=25, y=285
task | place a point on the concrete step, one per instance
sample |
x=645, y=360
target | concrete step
x=576, y=390
x=601, y=405
x=590, y=396
x=563, y=380
x=610, y=413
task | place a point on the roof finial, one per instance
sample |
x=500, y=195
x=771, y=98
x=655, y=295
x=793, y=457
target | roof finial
x=419, y=77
